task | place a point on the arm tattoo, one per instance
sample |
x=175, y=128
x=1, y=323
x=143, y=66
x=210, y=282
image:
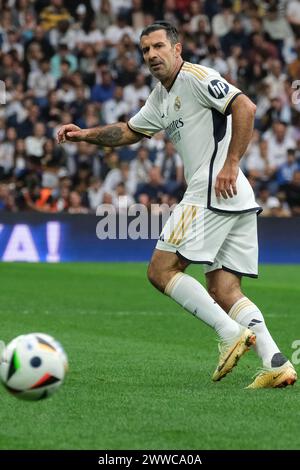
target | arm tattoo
x=110, y=136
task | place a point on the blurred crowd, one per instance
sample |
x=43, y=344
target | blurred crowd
x=79, y=61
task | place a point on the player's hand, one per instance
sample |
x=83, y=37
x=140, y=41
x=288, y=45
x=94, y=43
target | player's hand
x=71, y=133
x=226, y=181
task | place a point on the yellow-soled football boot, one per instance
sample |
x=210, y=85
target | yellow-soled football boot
x=275, y=377
x=231, y=352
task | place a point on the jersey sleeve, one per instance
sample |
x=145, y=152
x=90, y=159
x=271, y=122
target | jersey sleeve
x=214, y=91
x=148, y=120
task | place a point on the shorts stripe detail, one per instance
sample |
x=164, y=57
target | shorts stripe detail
x=187, y=222
x=176, y=227
x=179, y=224
x=182, y=225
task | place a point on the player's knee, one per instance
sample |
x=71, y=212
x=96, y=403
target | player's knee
x=212, y=290
x=151, y=273
x=159, y=276
x=225, y=296
x=220, y=295
x=154, y=276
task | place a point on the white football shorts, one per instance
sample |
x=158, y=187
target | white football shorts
x=217, y=240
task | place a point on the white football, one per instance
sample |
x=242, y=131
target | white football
x=33, y=366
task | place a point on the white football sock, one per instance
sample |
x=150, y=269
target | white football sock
x=247, y=314
x=192, y=296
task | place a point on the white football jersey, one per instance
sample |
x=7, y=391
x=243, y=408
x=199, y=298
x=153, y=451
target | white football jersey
x=195, y=114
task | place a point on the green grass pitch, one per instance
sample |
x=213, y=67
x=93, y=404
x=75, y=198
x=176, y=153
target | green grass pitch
x=140, y=367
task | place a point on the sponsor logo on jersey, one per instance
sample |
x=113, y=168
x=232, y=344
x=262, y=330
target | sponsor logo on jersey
x=177, y=104
x=218, y=89
x=176, y=124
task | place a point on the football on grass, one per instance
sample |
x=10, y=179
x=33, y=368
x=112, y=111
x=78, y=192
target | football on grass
x=33, y=366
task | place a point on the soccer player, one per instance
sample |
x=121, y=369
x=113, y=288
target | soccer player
x=210, y=123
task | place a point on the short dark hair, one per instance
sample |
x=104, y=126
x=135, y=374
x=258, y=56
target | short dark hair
x=171, y=31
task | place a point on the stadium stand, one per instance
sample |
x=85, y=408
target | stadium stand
x=74, y=61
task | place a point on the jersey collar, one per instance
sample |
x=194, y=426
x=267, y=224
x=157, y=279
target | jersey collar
x=175, y=77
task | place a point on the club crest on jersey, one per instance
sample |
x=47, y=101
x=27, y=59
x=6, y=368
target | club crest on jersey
x=218, y=89
x=177, y=104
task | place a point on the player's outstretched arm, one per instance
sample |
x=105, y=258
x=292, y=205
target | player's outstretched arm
x=111, y=135
x=243, y=113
